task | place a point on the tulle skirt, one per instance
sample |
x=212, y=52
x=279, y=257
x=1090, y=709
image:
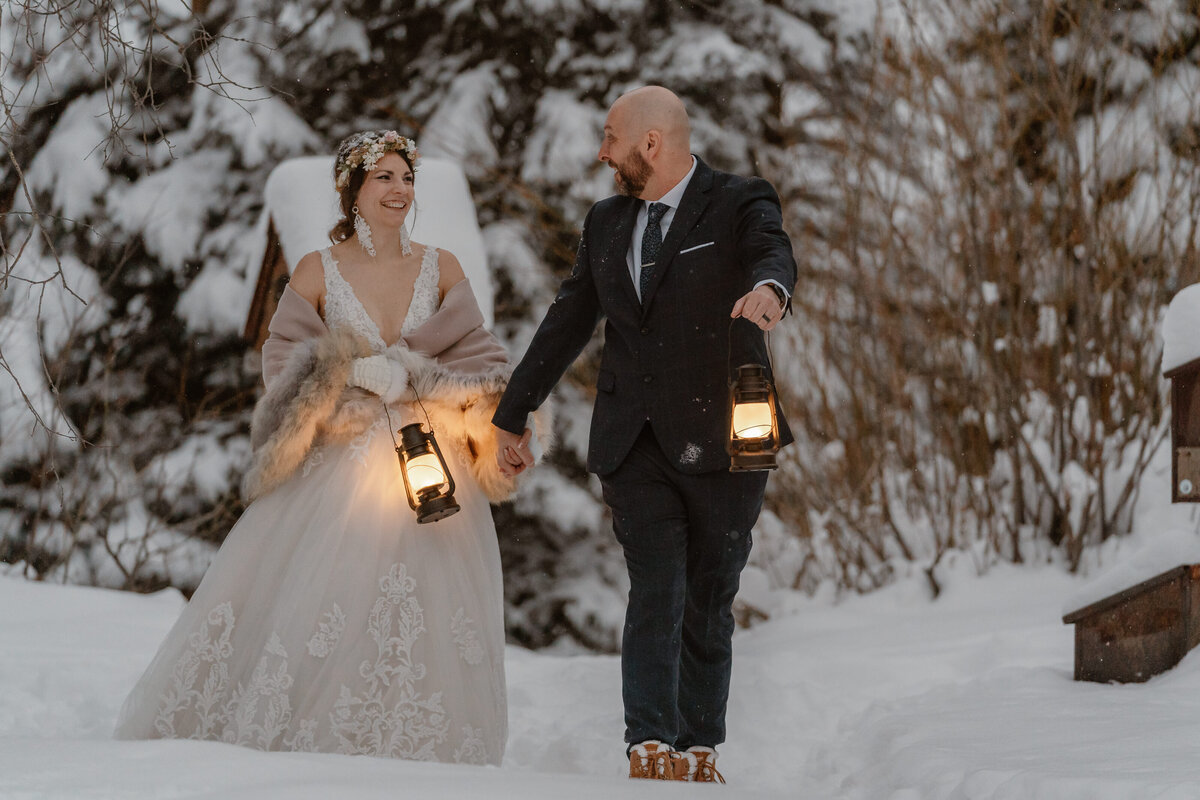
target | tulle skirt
x=331, y=621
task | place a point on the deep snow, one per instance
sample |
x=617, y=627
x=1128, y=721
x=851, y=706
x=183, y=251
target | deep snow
x=881, y=697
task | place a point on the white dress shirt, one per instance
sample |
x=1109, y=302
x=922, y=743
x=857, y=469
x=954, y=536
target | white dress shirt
x=671, y=200
x=633, y=258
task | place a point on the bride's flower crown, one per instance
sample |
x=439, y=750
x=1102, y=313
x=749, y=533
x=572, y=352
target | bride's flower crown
x=366, y=148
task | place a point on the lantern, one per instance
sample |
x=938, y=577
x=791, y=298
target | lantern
x=427, y=479
x=753, y=426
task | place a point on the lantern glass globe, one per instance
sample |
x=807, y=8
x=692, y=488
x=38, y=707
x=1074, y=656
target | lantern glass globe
x=425, y=471
x=752, y=420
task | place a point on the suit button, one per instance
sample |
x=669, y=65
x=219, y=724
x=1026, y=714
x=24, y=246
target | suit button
x=645, y=331
x=648, y=378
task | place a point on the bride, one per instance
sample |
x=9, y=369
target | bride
x=330, y=620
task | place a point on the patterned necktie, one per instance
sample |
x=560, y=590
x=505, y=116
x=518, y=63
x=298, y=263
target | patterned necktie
x=651, y=244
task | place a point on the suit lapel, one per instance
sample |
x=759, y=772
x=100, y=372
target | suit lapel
x=695, y=200
x=619, y=246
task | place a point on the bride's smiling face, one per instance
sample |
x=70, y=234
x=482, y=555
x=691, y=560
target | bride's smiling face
x=387, y=193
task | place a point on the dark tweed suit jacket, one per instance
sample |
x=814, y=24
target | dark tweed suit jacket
x=666, y=360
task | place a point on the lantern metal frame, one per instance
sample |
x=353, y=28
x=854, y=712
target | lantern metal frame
x=435, y=502
x=752, y=385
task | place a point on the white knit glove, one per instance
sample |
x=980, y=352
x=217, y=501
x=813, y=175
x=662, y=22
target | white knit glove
x=380, y=375
x=371, y=373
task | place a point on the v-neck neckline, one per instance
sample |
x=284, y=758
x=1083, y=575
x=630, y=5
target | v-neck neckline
x=363, y=309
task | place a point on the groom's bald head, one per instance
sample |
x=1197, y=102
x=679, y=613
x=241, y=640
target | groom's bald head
x=654, y=108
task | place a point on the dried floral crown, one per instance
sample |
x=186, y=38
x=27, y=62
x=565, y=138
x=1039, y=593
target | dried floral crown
x=366, y=148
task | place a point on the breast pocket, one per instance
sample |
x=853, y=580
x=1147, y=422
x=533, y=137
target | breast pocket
x=606, y=381
x=694, y=248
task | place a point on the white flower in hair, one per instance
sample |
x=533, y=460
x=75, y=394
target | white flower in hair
x=366, y=148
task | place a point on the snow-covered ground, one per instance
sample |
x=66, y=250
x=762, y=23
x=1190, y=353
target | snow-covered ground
x=882, y=697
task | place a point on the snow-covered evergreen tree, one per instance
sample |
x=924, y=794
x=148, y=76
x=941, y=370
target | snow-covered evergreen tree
x=138, y=137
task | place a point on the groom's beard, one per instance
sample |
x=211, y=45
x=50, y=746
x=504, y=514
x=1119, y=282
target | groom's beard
x=631, y=176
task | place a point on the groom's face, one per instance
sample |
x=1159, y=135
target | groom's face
x=620, y=151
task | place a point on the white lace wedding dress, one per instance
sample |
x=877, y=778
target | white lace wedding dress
x=330, y=620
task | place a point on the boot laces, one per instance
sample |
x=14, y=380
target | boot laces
x=706, y=771
x=662, y=764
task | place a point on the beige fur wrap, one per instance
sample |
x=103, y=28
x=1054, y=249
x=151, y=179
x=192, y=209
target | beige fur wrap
x=453, y=362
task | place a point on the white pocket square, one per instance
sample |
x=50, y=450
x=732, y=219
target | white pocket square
x=697, y=247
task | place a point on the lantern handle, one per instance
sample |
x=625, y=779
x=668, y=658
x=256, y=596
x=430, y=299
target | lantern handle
x=729, y=352
x=391, y=427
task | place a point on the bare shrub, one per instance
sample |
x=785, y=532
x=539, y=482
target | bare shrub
x=1013, y=205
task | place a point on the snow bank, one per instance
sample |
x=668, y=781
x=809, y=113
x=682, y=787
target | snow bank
x=1170, y=549
x=300, y=199
x=1181, y=329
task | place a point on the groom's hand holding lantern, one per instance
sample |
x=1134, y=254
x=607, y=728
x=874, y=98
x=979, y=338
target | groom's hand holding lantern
x=765, y=306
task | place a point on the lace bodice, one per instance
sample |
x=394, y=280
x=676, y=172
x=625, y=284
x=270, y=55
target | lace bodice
x=344, y=311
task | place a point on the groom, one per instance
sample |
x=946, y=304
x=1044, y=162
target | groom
x=688, y=266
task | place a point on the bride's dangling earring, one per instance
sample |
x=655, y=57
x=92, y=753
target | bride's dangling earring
x=405, y=241
x=363, y=231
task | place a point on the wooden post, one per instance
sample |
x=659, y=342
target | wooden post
x=1185, y=432
x=273, y=276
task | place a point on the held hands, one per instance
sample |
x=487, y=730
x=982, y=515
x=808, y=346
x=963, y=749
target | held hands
x=761, y=306
x=513, y=453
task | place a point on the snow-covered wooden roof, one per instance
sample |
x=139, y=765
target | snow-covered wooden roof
x=300, y=199
x=1181, y=329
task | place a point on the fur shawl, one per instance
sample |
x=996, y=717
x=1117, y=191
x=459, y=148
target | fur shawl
x=455, y=365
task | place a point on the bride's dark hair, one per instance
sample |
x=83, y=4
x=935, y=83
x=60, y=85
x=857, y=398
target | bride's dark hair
x=344, y=228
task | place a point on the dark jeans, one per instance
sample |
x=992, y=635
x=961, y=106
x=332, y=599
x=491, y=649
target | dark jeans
x=686, y=539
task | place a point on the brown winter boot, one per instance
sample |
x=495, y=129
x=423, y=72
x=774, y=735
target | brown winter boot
x=657, y=761
x=706, y=765
x=650, y=760
x=683, y=766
